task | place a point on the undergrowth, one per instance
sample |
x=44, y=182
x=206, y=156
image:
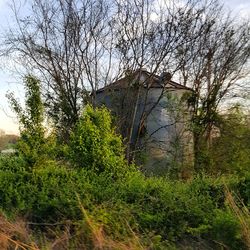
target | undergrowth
x=88, y=197
x=95, y=209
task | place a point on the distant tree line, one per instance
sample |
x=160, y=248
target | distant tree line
x=7, y=139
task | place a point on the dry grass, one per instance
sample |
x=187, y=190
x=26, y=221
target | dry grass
x=242, y=213
x=14, y=235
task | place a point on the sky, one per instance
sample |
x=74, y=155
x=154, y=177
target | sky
x=10, y=82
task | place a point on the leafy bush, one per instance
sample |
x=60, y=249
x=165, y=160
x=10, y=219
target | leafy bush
x=95, y=145
x=120, y=202
x=157, y=207
x=242, y=187
x=225, y=228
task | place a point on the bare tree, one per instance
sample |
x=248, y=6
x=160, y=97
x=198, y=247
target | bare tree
x=147, y=35
x=65, y=42
x=215, y=64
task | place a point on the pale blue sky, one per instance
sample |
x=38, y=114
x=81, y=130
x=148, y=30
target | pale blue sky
x=11, y=83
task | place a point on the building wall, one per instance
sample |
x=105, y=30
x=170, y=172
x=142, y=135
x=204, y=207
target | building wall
x=166, y=139
x=169, y=141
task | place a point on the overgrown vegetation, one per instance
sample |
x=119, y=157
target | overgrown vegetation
x=88, y=197
x=231, y=148
x=95, y=145
x=158, y=211
x=70, y=186
x=33, y=146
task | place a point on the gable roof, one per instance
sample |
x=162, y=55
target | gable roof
x=147, y=80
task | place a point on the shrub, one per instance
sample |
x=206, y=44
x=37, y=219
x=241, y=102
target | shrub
x=100, y=193
x=225, y=228
x=154, y=208
x=95, y=145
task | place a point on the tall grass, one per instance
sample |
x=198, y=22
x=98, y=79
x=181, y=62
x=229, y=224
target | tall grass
x=241, y=212
x=14, y=235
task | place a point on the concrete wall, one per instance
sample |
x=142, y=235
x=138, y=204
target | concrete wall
x=166, y=139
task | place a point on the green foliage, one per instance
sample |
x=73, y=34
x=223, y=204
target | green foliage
x=229, y=150
x=33, y=146
x=100, y=188
x=94, y=143
x=168, y=208
x=12, y=163
x=42, y=194
x=243, y=189
x=31, y=117
x=154, y=208
x=225, y=228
